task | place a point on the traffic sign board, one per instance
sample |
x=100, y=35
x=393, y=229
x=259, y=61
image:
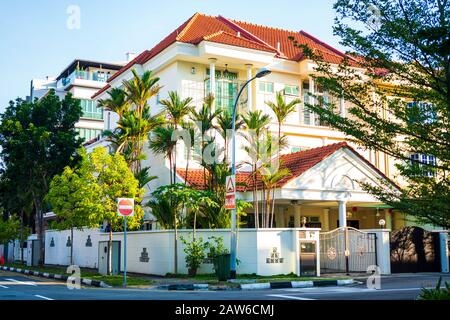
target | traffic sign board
x=125, y=207
x=230, y=198
x=231, y=184
x=230, y=201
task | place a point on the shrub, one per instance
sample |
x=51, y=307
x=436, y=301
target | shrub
x=436, y=293
x=195, y=253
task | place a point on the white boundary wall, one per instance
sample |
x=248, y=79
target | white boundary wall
x=254, y=248
x=83, y=256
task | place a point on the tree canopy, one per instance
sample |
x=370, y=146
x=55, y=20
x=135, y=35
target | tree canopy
x=396, y=84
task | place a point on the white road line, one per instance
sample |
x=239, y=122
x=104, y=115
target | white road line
x=289, y=297
x=42, y=297
x=4, y=287
x=355, y=291
x=28, y=283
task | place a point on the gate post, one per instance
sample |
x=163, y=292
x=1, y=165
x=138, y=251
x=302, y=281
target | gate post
x=443, y=244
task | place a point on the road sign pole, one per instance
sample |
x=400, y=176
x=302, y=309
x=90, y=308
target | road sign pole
x=125, y=253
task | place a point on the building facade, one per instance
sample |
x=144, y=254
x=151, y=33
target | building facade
x=216, y=55
x=82, y=78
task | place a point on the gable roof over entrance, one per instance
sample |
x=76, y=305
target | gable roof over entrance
x=297, y=163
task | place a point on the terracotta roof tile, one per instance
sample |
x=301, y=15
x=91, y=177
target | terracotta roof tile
x=200, y=27
x=234, y=40
x=297, y=163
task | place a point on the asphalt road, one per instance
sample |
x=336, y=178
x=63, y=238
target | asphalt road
x=15, y=286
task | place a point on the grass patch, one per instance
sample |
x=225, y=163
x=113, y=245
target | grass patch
x=115, y=280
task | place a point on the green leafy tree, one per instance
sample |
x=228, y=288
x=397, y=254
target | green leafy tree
x=396, y=82
x=72, y=198
x=96, y=183
x=38, y=139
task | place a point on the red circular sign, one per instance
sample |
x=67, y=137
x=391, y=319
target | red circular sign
x=125, y=207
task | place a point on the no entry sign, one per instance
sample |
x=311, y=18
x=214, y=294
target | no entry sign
x=125, y=207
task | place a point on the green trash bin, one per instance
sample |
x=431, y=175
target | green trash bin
x=222, y=266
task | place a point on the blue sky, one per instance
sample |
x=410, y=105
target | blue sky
x=35, y=40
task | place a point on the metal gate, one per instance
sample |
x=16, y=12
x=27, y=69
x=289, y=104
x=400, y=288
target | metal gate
x=347, y=250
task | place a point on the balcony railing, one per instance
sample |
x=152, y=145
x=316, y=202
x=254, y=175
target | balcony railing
x=99, y=76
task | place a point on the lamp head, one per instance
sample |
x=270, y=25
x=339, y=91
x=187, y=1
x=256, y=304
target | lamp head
x=263, y=72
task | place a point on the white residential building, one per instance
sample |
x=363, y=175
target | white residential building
x=82, y=78
x=215, y=54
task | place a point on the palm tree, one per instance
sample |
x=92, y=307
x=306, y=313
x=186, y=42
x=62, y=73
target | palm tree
x=224, y=122
x=117, y=102
x=139, y=90
x=161, y=142
x=282, y=110
x=255, y=122
x=204, y=119
x=176, y=109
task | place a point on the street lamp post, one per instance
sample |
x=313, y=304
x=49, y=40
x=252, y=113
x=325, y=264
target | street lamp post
x=261, y=73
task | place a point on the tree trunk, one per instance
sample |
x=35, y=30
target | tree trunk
x=176, y=245
x=273, y=207
x=110, y=250
x=21, y=237
x=40, y=231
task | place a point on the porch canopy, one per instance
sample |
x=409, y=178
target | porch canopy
x=324, y=177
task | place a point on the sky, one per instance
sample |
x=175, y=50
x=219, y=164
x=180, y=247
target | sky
x=39, y=38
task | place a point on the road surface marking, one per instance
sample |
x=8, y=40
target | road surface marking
x=289, y=297
x=4, y=287
x=27, y=283
x=42, y=297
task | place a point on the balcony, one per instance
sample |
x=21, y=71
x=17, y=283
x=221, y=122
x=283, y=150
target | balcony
x=99, y=76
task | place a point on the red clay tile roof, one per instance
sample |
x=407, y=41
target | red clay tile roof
x=297, y=163
x=201, y=27
x=233, y=40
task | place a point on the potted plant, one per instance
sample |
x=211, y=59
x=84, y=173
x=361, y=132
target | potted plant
x=195, y=254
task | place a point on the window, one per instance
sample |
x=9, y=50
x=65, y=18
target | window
x=90, y=110
x=323, y=100
x=88, y=134
x=421, y=112
x=265, y=87
x=290, y=90
x=424, y=163
x=227, y=88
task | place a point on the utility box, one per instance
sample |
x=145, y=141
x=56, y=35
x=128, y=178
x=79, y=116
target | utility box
x=103, y=257
x=308, y=252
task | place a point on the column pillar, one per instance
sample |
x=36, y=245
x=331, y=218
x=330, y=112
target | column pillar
x=279, y=218
x=342, y=214
x=250, y=87
x=212, y=75
x=301, y=111
x=388, y=218
x=326, y=220
x=342, y=107
x=297, y=216
x=312, y=101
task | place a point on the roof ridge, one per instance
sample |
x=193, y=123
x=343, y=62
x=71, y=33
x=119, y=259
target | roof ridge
x=187, y=27
x=263, y=26
x=341, y=144
x=251, y=35
x=336, y=51
x=212, y=35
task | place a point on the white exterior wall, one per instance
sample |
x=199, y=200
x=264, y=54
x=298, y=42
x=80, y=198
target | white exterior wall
x=83, y=256
x=254, y=247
